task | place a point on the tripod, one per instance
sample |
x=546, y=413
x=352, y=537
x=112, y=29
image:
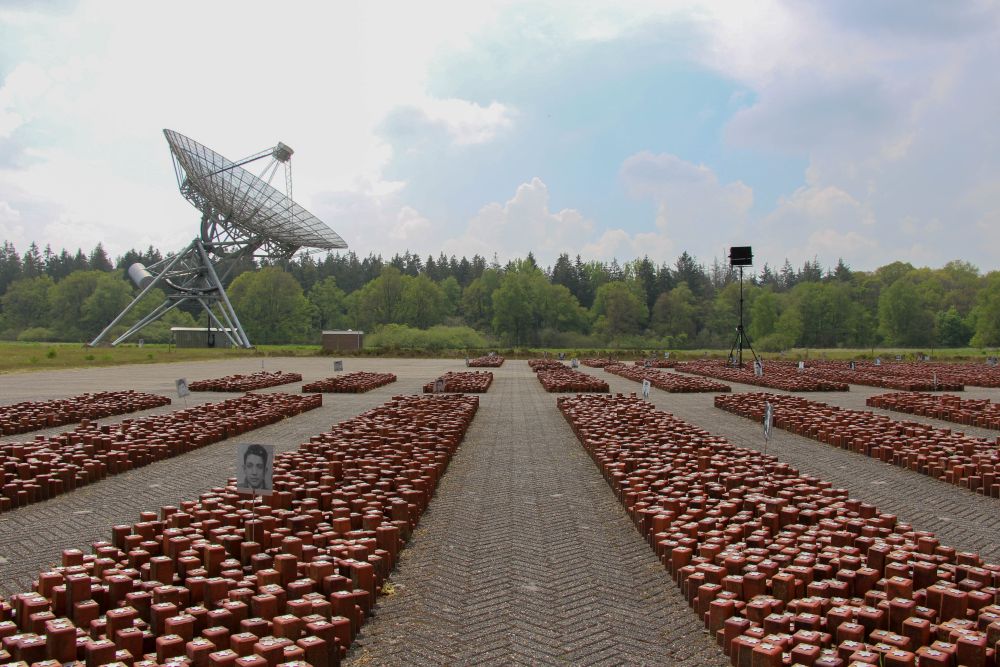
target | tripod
x=742, y=338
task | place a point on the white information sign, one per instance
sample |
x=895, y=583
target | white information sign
x=645, y=390
x=182, y=387
x=338, y=366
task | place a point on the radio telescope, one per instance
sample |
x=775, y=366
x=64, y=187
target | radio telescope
x=242, y=217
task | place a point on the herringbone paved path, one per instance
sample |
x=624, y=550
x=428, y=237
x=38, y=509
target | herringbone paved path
x=526, y=557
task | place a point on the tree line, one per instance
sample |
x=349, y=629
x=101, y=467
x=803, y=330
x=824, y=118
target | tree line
x=66, y=296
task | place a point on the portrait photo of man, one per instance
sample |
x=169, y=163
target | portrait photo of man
x=254, y=468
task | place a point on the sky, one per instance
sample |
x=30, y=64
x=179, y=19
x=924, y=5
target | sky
x=855, y=130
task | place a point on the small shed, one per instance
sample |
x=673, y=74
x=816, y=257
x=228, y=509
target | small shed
x=200, y=337
x=343, y=340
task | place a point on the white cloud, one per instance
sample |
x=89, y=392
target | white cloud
x=465, y=123
x=822, y=222
x=691, y=193
x=22, y=90
x=621, y=245
x=95, y=205
x=694, y=210
x=522, y=224
x=10, y=218
x=410, y=226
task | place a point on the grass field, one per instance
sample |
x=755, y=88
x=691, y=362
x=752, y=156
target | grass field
x=21, y=357
x=15, y=357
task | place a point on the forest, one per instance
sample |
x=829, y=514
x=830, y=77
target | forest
x=448, y=302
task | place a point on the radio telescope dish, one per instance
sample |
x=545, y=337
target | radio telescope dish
x=244, y=199
x=243, y=217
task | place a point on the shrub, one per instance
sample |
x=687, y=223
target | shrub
x=775, y=342
x=36, y=334
x=403, y=337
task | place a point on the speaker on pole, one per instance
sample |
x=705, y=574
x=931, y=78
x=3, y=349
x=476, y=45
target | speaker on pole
x=740, y=255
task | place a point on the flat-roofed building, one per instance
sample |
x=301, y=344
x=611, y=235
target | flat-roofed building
x=343, y=340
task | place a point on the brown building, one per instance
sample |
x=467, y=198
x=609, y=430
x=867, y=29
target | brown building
x=343, y=341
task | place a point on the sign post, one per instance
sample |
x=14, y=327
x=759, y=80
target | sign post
x=182, y=389
x=768, y=421
x=338, y=366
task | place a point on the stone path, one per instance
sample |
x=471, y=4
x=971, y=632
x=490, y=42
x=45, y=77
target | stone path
x=526, y=557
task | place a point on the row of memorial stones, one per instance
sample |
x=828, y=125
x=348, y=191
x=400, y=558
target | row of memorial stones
x=224, y=580
x=47, y=466
x=31, y=612
x=783, y=568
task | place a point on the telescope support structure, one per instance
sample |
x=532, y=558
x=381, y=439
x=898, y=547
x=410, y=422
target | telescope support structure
x=188, y=276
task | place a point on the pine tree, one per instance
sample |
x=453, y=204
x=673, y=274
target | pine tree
x=32, y=264
x=787, y=275
x=10, y=265
x=99, y=259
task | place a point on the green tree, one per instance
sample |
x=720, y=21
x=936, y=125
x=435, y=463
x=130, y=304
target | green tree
x=788, y=330
x=558, y=309
x=619, y=308
x=960, y=282
x=10, y=265
x=424, y=303
x=272, y=307
x=110, y=296
x=379, y=301
x=453, y=295
x=527, y=308
x=674, y=314
x=66, y=299
x=32, y=264
x=763, y=315
x=26, y=303
x=986, y=313
x=890, y=273
x=724, y=312
x=513, y=316
x=99, y=260
x=952, y=329
x=477, y=299
x=904, y=318
x=688, y=270
x=329, y=302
